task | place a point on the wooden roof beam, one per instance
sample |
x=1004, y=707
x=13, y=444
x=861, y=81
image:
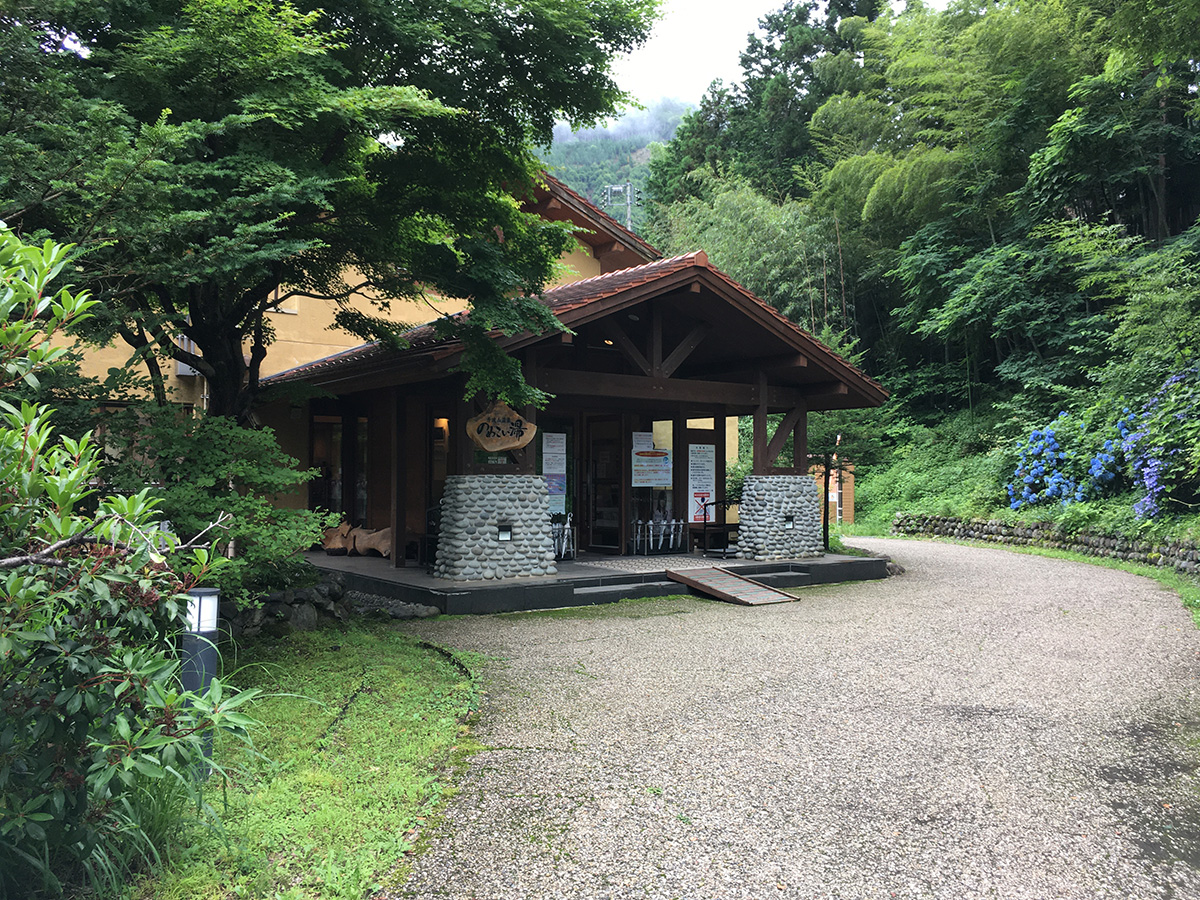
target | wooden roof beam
x=685, y=349
x=775, y=446
x=827, y=389
x=751, y=366
x=680, y=390
x=626, y=345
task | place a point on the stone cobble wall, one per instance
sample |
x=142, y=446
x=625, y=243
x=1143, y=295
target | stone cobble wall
x=1182, y=557
x=293, y=609
x=303, y=609
x=473, y=507
x=767, y=501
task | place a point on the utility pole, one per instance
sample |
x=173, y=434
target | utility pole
x=626, y=190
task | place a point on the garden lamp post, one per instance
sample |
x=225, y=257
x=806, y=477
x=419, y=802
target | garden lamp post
x=199, y=656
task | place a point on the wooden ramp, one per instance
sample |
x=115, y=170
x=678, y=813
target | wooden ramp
x=725, y=585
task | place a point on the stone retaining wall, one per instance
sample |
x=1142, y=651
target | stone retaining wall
x=767, y=502
x=295, y=609
x=474, y=507
x=1182, y=557
x=306, y=608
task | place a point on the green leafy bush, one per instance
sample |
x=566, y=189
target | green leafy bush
x=98, y=743
x=953, y=469
x=204, y=467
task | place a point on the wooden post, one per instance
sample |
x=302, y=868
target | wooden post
x=761, y=463
x=800, y=443
x=462, y=449
x=395, y=427
x=526, y=457
x=414, y=463
x=828, y=457
x=656, y=342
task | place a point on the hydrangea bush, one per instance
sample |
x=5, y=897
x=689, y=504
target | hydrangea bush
x=1164, y=448
x=1048, y=466
x=1156, y=451
x=1069, y=461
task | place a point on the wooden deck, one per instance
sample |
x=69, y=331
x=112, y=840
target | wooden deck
x=582, y=582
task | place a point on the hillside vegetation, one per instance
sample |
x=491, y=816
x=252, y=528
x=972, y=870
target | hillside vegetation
x=591, y=159
x=993, y=209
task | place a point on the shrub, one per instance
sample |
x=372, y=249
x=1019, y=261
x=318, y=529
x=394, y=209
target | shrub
x=1163, y=447
x=1069, y=461
x=94, y=728
x=948, y=470
x=205, y=467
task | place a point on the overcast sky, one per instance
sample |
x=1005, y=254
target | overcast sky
x=694, y=42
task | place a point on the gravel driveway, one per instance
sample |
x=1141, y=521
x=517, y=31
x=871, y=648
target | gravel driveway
x=988, y=724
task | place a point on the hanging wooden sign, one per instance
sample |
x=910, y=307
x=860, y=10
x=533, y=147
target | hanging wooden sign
x=499, y=427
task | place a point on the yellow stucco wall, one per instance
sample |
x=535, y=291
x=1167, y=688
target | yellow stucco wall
x=304, y=330
x=98, y=360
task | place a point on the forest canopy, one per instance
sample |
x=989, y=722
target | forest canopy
x=998, y=203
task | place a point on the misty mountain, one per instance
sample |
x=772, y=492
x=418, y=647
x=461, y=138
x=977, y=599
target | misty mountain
x=617, y=153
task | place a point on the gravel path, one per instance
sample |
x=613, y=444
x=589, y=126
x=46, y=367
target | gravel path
x=986, y=725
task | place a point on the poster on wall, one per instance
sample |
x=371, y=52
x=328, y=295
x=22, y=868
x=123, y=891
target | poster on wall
x=702, y=478
x=651, y=468
x=554, y=469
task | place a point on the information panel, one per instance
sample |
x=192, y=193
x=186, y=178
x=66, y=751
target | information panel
x=554, y=469
x=702, y=478
x=651, y=467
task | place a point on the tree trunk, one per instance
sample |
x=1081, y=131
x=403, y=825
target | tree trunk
x=223, y=365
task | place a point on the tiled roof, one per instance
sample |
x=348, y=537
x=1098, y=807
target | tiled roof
x=559, y=187
x=569, y=298
x=560, y=299
x=576, y=294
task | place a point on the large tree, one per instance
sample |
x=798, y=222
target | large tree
x=207, y=155
x=801, y=55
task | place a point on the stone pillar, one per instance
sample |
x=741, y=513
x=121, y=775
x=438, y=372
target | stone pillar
x=769, y=503
x=475, y=510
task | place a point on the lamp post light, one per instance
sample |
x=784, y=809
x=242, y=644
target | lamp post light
x=199, y=651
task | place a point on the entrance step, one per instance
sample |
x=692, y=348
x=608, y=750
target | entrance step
x=610, y=592
x=725, y=585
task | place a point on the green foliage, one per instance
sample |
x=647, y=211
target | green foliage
x=1152, y=293
x=1154, y=29
x=205, y=468
x=954, y=468
x=205, y=154
x=28, y=313
x=359, y=726
x=1126, y=152
x=98, y=743
x=759, y=129
x=1164, y=450
x=779, y=251
x=589, y=160
x=1012, y=194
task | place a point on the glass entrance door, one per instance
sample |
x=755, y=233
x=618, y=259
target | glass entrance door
x=604, y=484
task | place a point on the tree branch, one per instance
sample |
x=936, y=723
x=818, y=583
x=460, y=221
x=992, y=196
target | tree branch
x=46, y=556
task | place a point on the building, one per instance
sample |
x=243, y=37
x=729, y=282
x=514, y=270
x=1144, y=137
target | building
x=664, y=353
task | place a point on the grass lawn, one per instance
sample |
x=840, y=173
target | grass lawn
x=362, y=727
